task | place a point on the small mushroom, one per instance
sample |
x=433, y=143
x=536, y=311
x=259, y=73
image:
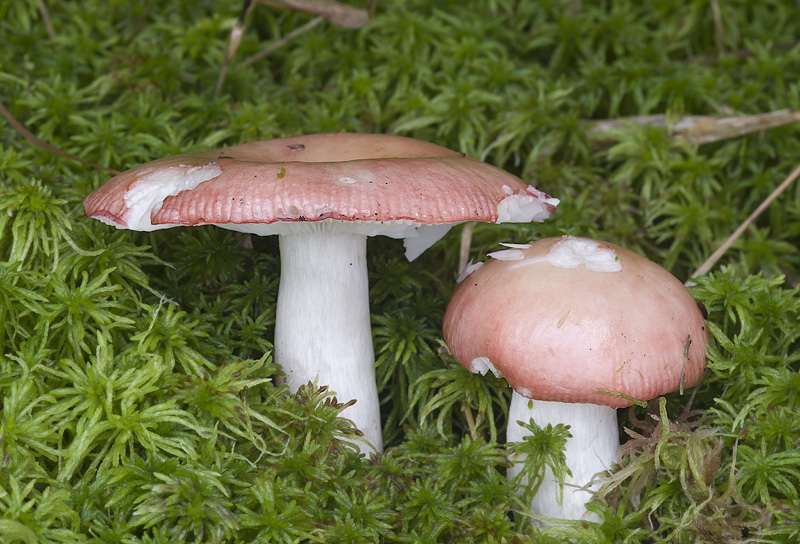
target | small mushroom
x=323, y=194
x=578, y=328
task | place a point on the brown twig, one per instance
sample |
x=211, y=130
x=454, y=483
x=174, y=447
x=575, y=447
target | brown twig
x=712, y=260
x=701, y=129
x=371, y=6
x=48, y=23
x=38, y=142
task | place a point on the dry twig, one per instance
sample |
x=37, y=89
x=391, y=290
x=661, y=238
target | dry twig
x=701, y=129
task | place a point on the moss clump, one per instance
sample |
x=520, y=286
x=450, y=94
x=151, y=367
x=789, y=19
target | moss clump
x=138, y=398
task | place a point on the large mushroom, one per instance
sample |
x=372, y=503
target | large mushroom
x=578, y=328
x=323, y=194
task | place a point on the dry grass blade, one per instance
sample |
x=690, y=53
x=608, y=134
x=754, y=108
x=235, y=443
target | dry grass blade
x=137, y=29
x=48, y=23
x=325, y=10
x=38, y=142
x=719, y=33
x=717, y=255
x=233, y=45
x=466, y=243
x=283, y=41
x=701, y=129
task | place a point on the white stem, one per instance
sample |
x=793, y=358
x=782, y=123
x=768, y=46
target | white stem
x=592, y=449
x=322, y=322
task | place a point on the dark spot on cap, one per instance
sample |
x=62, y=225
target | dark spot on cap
x=462, y=155
x=296, y=147
x=221, y=156
x=702, y=308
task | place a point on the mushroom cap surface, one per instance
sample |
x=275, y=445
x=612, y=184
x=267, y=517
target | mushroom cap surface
x=576, y=320
x=344, y=176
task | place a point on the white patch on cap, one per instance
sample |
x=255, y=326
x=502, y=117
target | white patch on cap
x=507, y=255
x=517, y=246
x=525, y=206
x=482, y=365
x=513, y=254
x=571, y=252
x=469, y=269
x=148, y=192
x=347, y=180
x=524, y=392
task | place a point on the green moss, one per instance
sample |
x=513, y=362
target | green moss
x=138, y=399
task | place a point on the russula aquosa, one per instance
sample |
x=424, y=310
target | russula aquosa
x=578, y=328
x=323, y=194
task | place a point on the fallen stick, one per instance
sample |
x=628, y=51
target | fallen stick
x=701, y=129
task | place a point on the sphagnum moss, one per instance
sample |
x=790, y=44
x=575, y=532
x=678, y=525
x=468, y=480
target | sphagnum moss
x=137, y=401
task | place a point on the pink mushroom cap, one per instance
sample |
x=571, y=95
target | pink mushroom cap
x=343, y=176
x=576, y=320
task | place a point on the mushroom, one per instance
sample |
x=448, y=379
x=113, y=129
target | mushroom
x=578, y=328
x=323, y=194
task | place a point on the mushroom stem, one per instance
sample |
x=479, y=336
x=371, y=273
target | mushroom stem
x=592, y=449
x=322, y=330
